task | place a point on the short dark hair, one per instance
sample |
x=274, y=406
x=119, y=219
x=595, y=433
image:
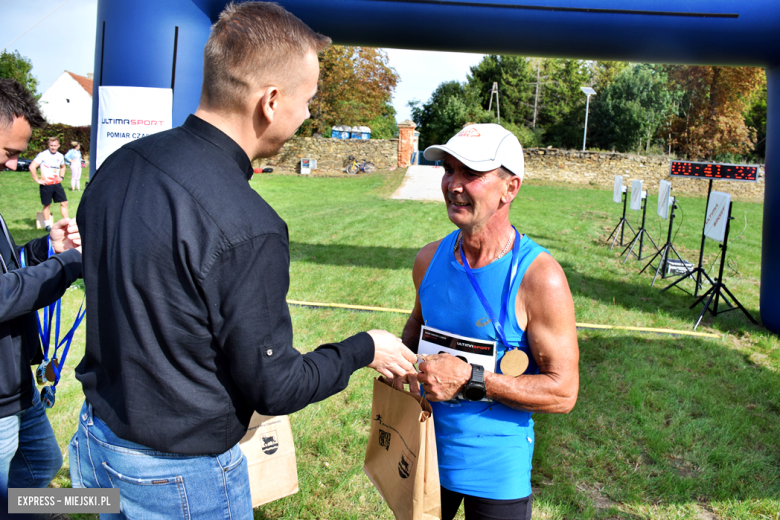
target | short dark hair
x=504, y=173
x=16, y=101
x=252, y=44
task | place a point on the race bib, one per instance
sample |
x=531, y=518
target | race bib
x=471, y=350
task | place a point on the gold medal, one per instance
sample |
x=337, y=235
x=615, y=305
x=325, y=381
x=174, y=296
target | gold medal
x=514, y=362
x=50, y=370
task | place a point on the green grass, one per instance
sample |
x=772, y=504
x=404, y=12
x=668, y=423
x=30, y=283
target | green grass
x=665, y=427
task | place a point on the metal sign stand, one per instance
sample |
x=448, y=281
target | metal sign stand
x=640, y=235
x=699, y=270
x=664, y=252
x=621, y=224
x=715, y=292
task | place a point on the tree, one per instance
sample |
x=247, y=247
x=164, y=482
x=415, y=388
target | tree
x=383, y=126
x=355, y=86
x=605, y=73
x=711, y=119
x=562, y=103
x=15, y=66
x=756, y=119
x=632, y=108
x=450, y=107
x=515, y=78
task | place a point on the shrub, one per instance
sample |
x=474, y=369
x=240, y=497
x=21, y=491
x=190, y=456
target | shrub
x=65, y=133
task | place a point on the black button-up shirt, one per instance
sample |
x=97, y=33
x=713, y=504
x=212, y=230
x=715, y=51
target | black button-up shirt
x=186, y=270
x=22, y=292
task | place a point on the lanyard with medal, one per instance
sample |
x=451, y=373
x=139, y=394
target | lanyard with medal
x=515, y=361
x=51, y=370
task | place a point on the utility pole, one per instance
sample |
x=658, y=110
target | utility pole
x=494, y=90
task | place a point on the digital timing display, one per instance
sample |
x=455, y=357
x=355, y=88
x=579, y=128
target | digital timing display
x=728, y=172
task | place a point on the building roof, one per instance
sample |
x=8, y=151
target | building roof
x=86, y=83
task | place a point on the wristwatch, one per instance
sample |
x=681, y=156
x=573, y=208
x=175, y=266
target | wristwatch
x=474, y=389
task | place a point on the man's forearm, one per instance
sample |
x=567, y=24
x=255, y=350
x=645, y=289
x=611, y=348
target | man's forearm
x=541, y=393
x=411, y=334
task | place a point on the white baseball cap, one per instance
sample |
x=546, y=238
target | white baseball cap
x=482, y=148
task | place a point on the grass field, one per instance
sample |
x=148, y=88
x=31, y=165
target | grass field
x=665, y=427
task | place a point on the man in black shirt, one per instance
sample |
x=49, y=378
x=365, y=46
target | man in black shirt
x=187, y=272
x=29, y=454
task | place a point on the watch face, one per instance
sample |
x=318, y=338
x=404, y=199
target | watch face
x=474, y=392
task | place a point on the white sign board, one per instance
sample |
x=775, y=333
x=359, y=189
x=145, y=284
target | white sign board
x=305, y=166
x=617, y=191
x=663, y=199
x=717, y=216
x=129, y=113
x=470, y=350
x=636, y=195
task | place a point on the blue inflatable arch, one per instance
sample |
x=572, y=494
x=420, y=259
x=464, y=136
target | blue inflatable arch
x=153, y=43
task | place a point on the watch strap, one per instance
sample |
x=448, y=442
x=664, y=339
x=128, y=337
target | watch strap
x=477, y=374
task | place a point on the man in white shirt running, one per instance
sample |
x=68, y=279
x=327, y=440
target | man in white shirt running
x=52, y=165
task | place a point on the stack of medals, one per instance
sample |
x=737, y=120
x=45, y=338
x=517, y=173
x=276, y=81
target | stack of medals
x=49, y=370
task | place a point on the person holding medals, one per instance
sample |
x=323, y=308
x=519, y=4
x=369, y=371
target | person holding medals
x=491, y=295
x=29, y=454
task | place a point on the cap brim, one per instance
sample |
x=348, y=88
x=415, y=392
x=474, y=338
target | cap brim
x=438, y=152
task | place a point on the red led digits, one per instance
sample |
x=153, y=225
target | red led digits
x=735, y=172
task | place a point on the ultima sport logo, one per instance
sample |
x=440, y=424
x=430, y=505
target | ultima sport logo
x=270, y=442
x=131, y=122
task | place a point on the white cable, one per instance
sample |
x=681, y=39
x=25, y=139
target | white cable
x=36, y=23
x=744, y=228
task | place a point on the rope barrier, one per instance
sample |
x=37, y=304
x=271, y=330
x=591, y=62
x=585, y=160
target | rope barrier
x=593, y=326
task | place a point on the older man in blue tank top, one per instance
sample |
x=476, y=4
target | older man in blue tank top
x=495, y=319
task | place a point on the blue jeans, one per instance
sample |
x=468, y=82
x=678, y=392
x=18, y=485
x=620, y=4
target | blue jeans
x=29, y=454
x=156, y=485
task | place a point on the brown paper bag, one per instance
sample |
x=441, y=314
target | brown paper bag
x=270, y=453
x=401, y=454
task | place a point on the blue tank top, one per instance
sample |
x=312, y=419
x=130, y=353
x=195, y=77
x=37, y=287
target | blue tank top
x=484, y=449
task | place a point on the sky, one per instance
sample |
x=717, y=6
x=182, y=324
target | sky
x=65, y=40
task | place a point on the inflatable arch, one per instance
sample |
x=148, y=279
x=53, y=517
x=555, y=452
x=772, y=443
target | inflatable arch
x=153, y=43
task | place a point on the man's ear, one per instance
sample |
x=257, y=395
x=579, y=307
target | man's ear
x=268, y=103
x=512, y=187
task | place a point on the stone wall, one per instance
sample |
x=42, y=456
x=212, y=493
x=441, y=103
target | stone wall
x=331, y=154
x=599, y=169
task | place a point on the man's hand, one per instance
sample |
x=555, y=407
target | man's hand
x=65, y=235
x=391, y=357
x=34, y=172
x=409, y=379
x=443, y=376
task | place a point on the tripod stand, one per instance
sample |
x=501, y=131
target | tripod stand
x=640, y=235
x=698, y=271
x=621, y=224
x=664, y=252
x=714, y=292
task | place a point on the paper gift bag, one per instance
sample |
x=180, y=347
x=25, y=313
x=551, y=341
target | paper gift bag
x=401, y=454
x=270, y=453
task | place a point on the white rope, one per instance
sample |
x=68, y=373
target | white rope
x=36, y=23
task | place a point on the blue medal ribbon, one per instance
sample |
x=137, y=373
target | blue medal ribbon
x=44, y=328
x=497, y=324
